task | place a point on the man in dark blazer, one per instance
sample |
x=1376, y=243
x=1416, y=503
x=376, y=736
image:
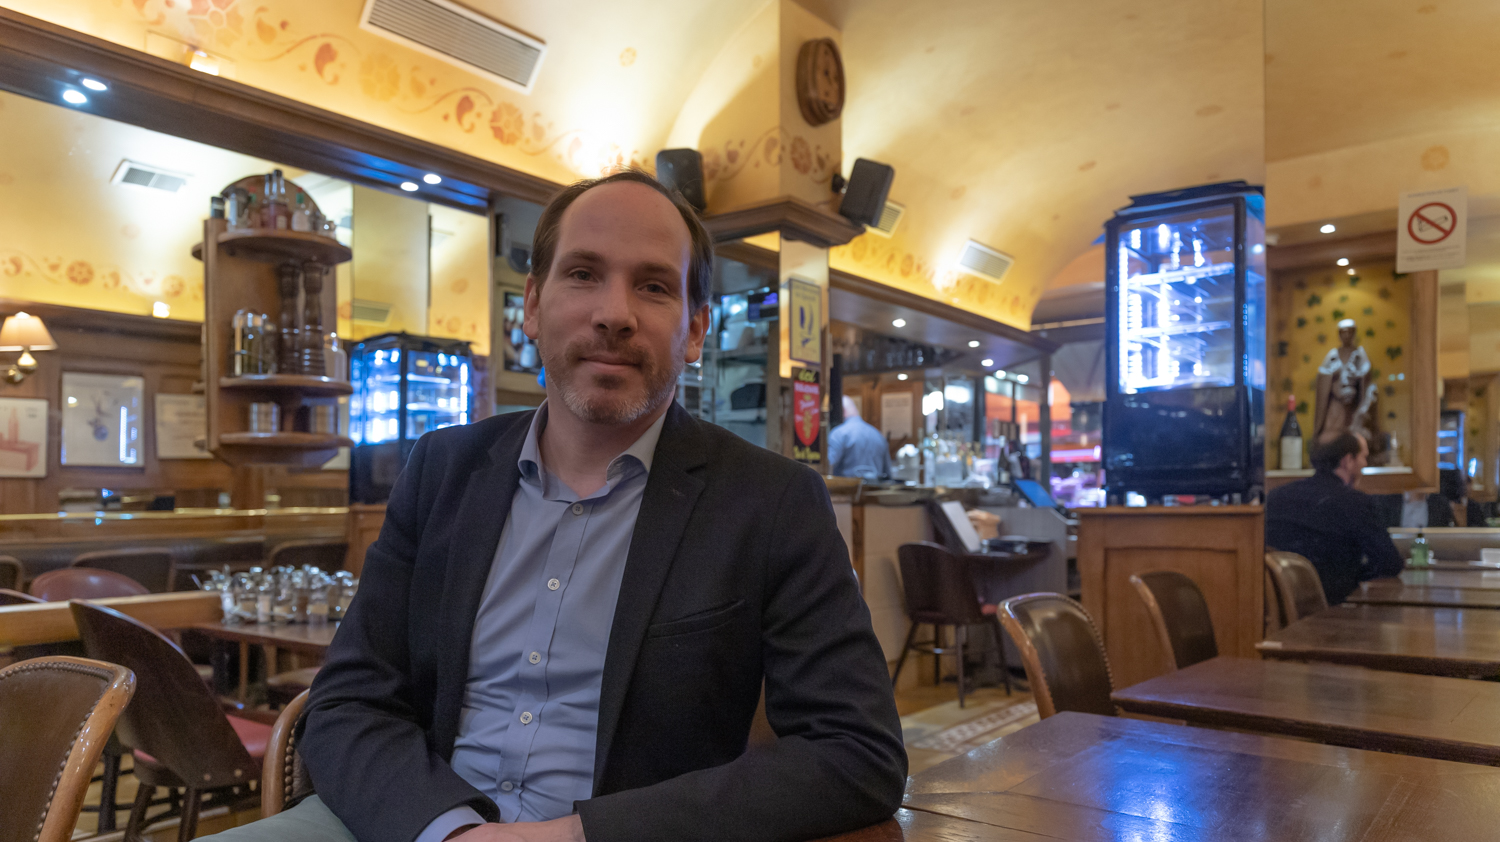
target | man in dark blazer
x=1325, y=519
x=735, y=579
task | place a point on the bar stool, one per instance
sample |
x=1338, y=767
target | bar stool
x=940, y=592
x=180, y=737
x=151, y=566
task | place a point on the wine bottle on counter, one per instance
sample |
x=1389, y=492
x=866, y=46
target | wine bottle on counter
x=1291, y=438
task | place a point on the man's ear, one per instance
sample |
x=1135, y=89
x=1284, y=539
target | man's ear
x=531, y=307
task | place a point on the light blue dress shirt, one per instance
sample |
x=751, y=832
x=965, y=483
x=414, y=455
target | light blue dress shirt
x=530, y=716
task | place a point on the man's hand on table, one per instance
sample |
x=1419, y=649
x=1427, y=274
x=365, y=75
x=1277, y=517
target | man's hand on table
x=565, y=829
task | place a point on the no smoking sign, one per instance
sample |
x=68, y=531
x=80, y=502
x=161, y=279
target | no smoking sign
x=1432, y=230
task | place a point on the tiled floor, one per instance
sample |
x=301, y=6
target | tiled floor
x=935, y=728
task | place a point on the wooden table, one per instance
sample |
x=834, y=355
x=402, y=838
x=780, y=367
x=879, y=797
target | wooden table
x=1459, y=566
x=1459, y=642
x=1090, y=778
x=1467, y=576
x=305, y=638
x=1418, y=715
x=1395, y=592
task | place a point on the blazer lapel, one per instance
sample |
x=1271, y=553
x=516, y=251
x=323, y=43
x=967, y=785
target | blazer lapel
x=481, y=517
x=666, y=506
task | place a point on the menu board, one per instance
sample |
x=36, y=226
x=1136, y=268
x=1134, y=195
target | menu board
x=181, y=427
x=895, y=415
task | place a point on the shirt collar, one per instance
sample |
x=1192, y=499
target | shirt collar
x=642, y=451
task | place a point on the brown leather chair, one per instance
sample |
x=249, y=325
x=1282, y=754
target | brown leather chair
x=84, y=583
x=328, y=555
x=283, y=775
x=1064, y=655
x=940, y=592
x=1180, y=614
x=151, y=566
x=12, y=572
x=10, y=597
x=1298, y=588
x=181, y=738
x=55, y=716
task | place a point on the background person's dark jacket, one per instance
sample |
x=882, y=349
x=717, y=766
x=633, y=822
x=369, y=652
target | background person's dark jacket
x=1336, y=527
x=736, y=572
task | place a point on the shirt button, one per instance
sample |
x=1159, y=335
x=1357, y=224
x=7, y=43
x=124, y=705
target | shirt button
x=526, y=718
x=506, y=786
x=535, y=658
x=577, y=508
x=553, y=584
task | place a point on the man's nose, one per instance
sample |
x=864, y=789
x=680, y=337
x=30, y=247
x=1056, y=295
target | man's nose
x=613, y=310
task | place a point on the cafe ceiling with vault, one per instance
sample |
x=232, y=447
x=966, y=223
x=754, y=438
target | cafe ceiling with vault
x=1021, y=126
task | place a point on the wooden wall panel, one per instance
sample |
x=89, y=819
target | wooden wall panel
x=1221, y=548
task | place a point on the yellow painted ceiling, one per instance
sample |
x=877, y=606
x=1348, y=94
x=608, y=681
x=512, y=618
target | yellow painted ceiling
x=1350, y=72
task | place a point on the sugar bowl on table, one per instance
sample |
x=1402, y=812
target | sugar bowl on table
x=283, y=595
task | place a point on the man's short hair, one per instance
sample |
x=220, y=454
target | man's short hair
x=1327, y=456
x=700, y=276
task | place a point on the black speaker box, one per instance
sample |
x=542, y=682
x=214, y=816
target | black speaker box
x=864, y=198
x=682, y=170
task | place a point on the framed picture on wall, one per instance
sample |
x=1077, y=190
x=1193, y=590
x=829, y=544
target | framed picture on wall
x=101, y=419
x=181, y=427
x=520, y=351
x=23, y=437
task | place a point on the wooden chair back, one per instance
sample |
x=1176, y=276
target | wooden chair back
x=1298, y=587
x=282, y=772
x=151, y=566
x=175, y=718
x=12, y=573
x=1180, y=615
x=329, y=555
x=938, y=586
x=1063, y=654
x=10, y=597
x=84, y=583
x=56, y=714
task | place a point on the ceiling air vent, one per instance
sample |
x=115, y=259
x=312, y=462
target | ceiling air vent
x=144, y=175
x=985, y=261
x=449, y=32
x=375, y=312
x=888, y=218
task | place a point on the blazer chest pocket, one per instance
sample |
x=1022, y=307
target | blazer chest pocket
x=702, y=621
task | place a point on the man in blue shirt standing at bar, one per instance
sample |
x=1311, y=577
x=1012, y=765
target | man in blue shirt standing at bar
x=857, y=449
x=570, y=616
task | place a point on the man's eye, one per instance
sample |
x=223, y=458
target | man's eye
x=656, y=289
x=580, y=274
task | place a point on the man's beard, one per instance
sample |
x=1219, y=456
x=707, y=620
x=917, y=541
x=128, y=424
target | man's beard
x=616, y=407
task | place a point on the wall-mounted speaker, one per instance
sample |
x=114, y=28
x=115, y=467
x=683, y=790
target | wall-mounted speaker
x=869, y=185
x=682, y=170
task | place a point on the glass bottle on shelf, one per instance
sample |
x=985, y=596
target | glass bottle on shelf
x=275, y=212
x=310, y=343
x=335, y=358
x=301, y=213
x=287, y=360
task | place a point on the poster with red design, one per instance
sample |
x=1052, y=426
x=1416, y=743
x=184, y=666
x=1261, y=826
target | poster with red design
x=807, y=399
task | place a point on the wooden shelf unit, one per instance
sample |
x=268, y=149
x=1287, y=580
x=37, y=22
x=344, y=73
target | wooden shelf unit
x=240, y=273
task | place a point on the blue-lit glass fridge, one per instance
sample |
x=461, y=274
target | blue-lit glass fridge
x=1185, y=318
x=404, y=386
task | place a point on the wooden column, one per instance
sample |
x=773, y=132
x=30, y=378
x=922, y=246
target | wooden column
x=1221, y=548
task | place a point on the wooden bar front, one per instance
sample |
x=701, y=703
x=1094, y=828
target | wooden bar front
x=1221, y=548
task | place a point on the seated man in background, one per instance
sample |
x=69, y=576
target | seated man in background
x=1336, y=527
x=857, y=449
x=566, y=624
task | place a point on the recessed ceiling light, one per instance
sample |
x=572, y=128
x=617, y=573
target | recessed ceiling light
x=898, y=323
x=900, y=377
x=1351, y=270
x=986, y=363
x=1328, y=229
x=409, y=186
x=973, y=343
x=432, y=178
x=999, y=372
x=1343, y=261
x=93, y=84
x=73, y=97
x=1021, y=378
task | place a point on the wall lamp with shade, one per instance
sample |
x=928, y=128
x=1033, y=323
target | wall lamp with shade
x=25, y=333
